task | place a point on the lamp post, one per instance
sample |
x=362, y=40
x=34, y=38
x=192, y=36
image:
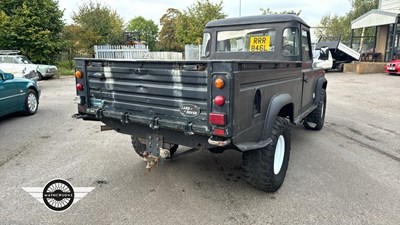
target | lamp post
x=240, y=8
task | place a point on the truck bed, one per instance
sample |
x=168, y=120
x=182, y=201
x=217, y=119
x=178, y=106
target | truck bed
x=147, y=92
x=340, y=51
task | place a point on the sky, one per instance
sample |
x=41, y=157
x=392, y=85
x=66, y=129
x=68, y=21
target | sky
x=311, y=10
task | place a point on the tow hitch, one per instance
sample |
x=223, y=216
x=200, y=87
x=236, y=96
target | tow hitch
x=154, y=150
x=152, y=160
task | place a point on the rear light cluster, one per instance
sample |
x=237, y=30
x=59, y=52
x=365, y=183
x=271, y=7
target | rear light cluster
x=78, y=75
x=218, y=119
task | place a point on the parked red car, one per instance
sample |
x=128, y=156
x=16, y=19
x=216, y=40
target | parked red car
x=393, y=67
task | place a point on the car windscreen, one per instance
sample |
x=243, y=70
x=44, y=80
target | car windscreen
x=23, y=59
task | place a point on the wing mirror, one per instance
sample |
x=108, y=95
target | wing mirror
x=8, y=76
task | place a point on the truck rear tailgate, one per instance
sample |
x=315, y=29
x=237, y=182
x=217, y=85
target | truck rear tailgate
x=149, y=92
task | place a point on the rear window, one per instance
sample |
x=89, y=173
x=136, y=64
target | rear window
x=249, y=40
x=291, y=42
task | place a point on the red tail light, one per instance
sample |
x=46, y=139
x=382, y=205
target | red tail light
x=217, y=119
x=219, y=132
x=219, y=100
x=79, y=87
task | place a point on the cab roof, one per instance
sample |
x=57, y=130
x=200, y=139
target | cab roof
x=262, y=19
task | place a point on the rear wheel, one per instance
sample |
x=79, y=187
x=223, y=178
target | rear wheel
x=31, y=102
x=315, y=120
x=266, y=168
x=140, y=148
x=340, y=67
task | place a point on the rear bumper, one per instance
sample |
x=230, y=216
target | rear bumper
x=49, y=74
x=173, y=136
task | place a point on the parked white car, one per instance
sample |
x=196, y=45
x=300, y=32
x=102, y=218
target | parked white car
x=19, y=70
x=43, y=71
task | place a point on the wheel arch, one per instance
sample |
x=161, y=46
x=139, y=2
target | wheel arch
x=33, y=88
x=322, y=83
x=280, y=105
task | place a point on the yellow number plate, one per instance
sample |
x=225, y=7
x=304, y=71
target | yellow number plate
x=259, y=43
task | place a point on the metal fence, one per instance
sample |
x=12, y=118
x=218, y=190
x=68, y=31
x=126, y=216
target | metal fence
x=120, y=51
x=132, y=52
x=192, y=52
x=165, y=55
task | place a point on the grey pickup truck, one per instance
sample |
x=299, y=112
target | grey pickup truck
x=255, y=77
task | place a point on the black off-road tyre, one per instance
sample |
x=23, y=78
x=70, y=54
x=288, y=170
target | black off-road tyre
x=140, y=148
x=341, y=67
x=31, y=102
x=315, y=120
x=259, y=164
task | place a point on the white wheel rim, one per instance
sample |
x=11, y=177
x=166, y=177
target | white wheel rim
x=32, y=102
x=279, y=154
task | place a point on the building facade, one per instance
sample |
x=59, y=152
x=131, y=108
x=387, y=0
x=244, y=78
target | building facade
x=386, y=21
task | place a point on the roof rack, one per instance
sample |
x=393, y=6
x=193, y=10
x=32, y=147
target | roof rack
x=9, y=52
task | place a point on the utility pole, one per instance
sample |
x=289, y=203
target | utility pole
x=240, y=8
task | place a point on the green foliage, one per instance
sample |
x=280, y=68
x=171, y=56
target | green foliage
x=360, y=7
x=4, y=20
x=334, y=26
x=32, y=26
x=190, y=23
x=146, y=30
x=72, y=46
x=94, y=24
x=65, y=68
x=268, y=11
x=8, y=6
x=168, y=34
x=341, y=25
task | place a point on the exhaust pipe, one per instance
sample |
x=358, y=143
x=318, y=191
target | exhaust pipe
x=105, y=128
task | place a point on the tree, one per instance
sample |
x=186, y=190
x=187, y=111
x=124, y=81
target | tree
x=96, y=25
x=334, y=26
x=341, y=25
x=168, y=33
x=33, y=27
x=146, y=30
x=8, y=6
x=268, y=11
x=190, y=23
x=360, y=7
x=71, y=43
